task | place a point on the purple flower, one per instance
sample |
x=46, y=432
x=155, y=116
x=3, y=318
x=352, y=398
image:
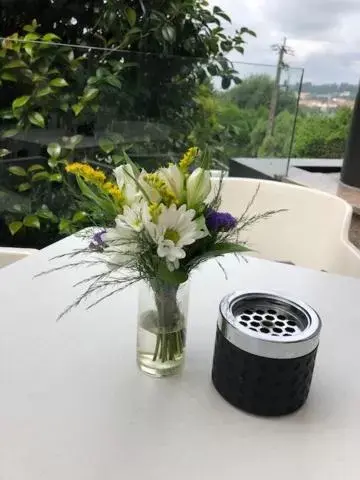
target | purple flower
x=219, y=222
x=97, y=240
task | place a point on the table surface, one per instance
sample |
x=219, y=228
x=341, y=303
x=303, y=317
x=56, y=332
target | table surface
x=74, y=406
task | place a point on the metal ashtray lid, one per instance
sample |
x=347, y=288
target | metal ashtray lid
x=269, y=325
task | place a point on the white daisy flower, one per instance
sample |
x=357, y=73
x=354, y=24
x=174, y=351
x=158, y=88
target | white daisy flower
x=175, y=229
x=120, y=242
x=133, y=216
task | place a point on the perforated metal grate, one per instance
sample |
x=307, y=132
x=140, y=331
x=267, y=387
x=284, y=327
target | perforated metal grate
x=269, y=325
x=269, y=318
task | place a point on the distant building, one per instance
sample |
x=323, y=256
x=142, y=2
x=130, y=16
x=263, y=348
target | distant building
x=325, y=103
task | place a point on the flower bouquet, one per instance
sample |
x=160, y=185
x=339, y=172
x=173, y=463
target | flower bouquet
x=158, y=227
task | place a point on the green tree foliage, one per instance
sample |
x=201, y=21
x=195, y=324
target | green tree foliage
x=246, y=106
x=159, y=54
x=153, y=71
x=279, y=144
x=321, y=136
x=256, y=91
x=223, y=125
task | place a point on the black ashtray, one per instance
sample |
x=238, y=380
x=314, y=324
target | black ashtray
x=265, y=352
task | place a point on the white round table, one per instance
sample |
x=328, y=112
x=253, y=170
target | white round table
x=74, y=406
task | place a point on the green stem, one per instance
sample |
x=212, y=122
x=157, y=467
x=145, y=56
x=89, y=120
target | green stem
x=170, y=337
x=156, y=348
x=164, y=347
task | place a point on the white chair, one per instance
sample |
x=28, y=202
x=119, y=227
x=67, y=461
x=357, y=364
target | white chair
x=219, y=173
x=312, y=233
x=10, y=255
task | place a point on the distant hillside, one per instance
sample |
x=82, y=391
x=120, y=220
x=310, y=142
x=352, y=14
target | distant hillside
x=332, y=89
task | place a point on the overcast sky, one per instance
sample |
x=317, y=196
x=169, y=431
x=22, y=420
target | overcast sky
x=325, y=34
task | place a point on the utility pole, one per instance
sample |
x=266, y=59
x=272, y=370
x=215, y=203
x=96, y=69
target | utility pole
x=282, y=50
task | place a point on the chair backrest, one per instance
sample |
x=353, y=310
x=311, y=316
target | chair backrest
x=10, y=255
x=312, y=232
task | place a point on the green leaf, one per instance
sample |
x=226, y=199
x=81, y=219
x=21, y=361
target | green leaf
x=28, y=28
x=168, y=33
x=174, y=278
x=64, y=226
x=14, y=227
x=117, y=158
x=79, y=216
x=30, y=37
x=248, y=31
x=8, y=76
x=29, y=47
x=54, y=150
x=205, y=160
x=58, y=82
x=50, y=37
x=64, y=107
x=43, y=92
x=105, y=205
x=32, y=221
x=102, y=72
x=10, y=133
x=18, y=171
x=113, y=81
x=213, y=70
x=131, y=16
x=18, y=114
x=23, y=187
x=20, y=101
x=6, y=114
x=225, y=83
x=92, y=80
x=77, y=108
x=35, y=168
x=106, y=145
x=4, y=152
x=37, y=119
x=133, y=165
x=218, y=250
x=40, y=176
x=47, y=214
x=90, y=94
x=226, y=46
x=52, y=162
x=220, y=13
x=15, y=64
x=133, y=31
x=71, y=142
x=56, y=177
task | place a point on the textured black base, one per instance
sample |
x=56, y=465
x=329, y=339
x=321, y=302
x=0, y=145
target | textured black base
x=259, y=385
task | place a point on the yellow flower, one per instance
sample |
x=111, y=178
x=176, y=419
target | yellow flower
x=113, y=190
x=154, y=210
x=84, y=170
x=155, y=181
x=188, y=159
x=98, y=178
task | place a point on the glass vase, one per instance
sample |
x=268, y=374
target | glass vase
x=161, y=334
